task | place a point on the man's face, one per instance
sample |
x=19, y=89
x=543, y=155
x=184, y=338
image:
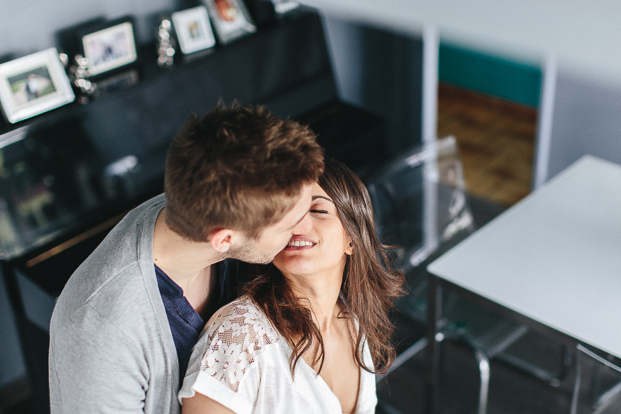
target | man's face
x=274, y=238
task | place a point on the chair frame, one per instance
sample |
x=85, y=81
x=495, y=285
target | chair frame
x=604, y=399
x=497, y=342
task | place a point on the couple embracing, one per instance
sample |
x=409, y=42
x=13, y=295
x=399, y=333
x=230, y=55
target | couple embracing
x=254, y=284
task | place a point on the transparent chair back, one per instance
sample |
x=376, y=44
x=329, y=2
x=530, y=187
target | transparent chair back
x=420, y=201
x=597, y=389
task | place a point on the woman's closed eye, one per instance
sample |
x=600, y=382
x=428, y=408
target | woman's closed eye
x=322, y=205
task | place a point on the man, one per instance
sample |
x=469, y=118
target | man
x=237, y=185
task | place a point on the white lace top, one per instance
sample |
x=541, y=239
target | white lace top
x=242, y=362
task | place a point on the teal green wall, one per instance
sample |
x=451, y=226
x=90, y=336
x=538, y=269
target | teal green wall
x=491, y=75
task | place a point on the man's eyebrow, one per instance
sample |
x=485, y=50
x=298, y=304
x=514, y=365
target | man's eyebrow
x=325, y=198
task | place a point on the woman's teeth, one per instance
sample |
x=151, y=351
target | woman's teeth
x=300, y=243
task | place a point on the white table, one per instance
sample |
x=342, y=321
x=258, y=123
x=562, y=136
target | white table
x=554, y=258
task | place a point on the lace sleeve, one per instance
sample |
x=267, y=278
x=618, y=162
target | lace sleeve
x=238, y=333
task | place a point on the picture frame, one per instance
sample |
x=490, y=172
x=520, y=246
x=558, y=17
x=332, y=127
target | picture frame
x=33, y=84
x=284, y=6
x=193, y=30
x=109, y=46
x=230, y=18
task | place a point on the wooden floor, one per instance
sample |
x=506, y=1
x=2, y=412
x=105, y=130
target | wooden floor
x=495, y=139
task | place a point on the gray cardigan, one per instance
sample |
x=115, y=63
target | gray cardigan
x=111, y=348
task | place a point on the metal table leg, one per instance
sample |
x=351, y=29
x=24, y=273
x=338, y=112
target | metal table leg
x=434, y=336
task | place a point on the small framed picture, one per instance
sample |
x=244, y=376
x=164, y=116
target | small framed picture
x=193, y=29
x=111, y=47
x=230, y=18
x=33, y=84
x=284, y=6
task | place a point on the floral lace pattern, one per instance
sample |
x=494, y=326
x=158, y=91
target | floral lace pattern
x=237, y=335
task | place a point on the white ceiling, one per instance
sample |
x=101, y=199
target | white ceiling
x=584, y=36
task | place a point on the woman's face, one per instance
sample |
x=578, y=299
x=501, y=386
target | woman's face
x=322, y=250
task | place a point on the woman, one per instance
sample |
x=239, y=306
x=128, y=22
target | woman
x=310, y=331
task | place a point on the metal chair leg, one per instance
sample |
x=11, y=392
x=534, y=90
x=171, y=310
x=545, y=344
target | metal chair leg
x=484, y=372
x=403, y=357
x=607, y=398
x=574, y=397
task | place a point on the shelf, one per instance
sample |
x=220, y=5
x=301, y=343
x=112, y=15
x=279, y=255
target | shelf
x=69, y=169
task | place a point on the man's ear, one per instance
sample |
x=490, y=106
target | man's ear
x=221, y=240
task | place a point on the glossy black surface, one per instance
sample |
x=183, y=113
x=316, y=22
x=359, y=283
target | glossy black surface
x=77, y=166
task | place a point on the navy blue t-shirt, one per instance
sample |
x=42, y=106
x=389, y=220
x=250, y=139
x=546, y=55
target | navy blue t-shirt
x=185, y=323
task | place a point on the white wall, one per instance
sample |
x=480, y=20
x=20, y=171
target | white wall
x=28, y=26
x=587, y=120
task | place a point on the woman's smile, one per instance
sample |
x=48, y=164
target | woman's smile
x=300, y=243
x=322, y=250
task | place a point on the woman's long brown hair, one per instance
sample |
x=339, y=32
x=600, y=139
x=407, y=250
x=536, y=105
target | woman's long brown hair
x=369, y=285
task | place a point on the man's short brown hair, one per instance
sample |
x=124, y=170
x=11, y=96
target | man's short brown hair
x=238, y=167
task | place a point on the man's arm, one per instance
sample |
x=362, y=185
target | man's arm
x=95, y=367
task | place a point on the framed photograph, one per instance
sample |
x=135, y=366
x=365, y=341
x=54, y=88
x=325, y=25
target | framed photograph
x=33, y=84
x=230, y=19
x=284, y=6
x=110, y=47
x=193, y=29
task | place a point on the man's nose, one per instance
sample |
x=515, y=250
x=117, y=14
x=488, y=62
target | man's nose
x=303, y=226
